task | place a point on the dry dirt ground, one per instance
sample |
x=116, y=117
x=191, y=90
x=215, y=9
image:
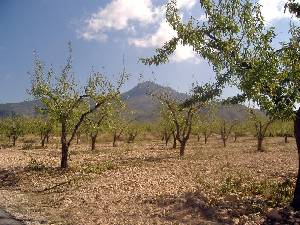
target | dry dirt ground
x=147, y=183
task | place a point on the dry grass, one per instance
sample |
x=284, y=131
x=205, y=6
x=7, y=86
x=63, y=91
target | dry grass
x=147, y=183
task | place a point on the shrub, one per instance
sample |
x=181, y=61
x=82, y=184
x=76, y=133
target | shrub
x=27, y=146
x=99, y=168
x=35, y=166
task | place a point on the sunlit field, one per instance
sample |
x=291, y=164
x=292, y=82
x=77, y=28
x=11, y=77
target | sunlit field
x=148, y=183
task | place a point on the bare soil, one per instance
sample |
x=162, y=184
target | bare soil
x=148, y=183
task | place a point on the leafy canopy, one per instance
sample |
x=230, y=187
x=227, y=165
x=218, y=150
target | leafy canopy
x=241, y=50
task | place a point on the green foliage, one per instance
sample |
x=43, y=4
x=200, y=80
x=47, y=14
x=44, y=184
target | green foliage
x=281, y=128
x=239, y=46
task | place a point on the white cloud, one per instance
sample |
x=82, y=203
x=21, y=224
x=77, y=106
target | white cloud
x=183, y=53
x=187, y=4
x=163, y=34
x=273, y=10
x=136, y=17
x=117, y=15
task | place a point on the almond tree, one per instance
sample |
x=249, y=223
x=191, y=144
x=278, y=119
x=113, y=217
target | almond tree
x=14, y=127
x=43, y=126
x=182, y=112
x=241, y=128
x=68, y=103
x=208, y=121
x=167, y=126
x=282, y=128
x=117, y=122
x=118, y=128
x=132, y=131
x=261, y=124
x=226, y=128
x=95, y=123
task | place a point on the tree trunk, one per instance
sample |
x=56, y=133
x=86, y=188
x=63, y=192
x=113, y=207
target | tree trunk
x=115, y=139
x=167, y=138
x=47, y=138
x=259, y=143
x=224, y=141
x=198, y=137
x=64, y=147
x=205, y=138
x=296, y=200
x=235, y=137
x=174, y=141
x=43, y=141
x=64, y=156
x=14, y=139
x=182, y=148
x=285, y=138
x=93, y=141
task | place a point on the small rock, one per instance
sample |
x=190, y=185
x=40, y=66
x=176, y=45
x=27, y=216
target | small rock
x=274, y=215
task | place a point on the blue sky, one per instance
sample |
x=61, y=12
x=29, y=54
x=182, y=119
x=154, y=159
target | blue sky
x=101, y=32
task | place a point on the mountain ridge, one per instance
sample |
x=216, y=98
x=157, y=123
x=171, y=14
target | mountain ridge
x=146, y=108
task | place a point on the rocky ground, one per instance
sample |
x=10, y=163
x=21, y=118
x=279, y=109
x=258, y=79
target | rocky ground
x=147, y=183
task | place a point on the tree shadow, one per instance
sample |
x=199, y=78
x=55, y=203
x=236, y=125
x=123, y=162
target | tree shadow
x=195, y=208
x=9, y=178
x=190, y=208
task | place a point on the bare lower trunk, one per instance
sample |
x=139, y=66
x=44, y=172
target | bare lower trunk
x=296, y=200
x=14, y=139
x=43, y=141
x=259, y=143
x=286, y=138
x=235, y=137
x=198, y=137
x=167, y=138
x=182, y=148
x=260, y=139
x=205, y=138
x=224, y=141
x=174, y=141
x=115, y=140
x=64, y=147
x=64, y=156
x=93, y=142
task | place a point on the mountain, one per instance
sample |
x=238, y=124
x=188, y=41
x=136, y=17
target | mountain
x=137, y=99
x=26, y=108
x=146, y=108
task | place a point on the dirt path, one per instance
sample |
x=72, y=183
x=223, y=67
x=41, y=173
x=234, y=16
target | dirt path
x=8, y=219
